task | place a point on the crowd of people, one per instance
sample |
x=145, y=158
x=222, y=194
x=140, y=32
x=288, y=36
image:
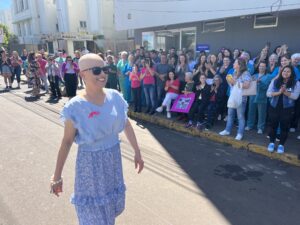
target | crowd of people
x=256, y=93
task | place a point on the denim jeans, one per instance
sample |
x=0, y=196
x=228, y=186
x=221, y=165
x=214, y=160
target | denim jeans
x=160, y=90
x=261, y=108
x=16, y=73
x=241, y=117
x=149, y=90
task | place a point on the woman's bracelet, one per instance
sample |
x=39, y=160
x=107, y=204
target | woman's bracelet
x=56, y=182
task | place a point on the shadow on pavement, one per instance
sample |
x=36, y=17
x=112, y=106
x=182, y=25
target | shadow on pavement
x=240, y=184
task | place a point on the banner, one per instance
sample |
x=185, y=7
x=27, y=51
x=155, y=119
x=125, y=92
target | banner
x=183, y=103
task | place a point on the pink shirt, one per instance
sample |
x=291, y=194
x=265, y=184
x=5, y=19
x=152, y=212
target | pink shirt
x=135, y=80
x=148, y=79
x=43, y=64
x=175, y=83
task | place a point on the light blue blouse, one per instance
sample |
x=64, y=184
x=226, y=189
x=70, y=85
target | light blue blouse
x=97, y=126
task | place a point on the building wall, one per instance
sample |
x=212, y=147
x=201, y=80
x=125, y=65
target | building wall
x=77, y=13
x=141, y=14
x=241, y=34
x=47, y=16
x=108, y=22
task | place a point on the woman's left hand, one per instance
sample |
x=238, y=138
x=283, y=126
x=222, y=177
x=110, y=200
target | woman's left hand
x=138, y=161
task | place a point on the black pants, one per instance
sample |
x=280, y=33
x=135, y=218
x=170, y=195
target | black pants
x=137, y=98
x=54, y=85
x=295, y=119
x=280, y=117
x=211, y=113
x=71, y=84
x=198, y=107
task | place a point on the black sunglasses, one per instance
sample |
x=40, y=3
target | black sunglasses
x=97, y=70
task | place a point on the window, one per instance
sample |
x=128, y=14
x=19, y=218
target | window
x=214, y=26
x=148, y=40
x=188, y=39
x=82, y=24
x=265, y=20
x=179, y=38
x=16, y=6
x=50, y=47
x=21, y=5
x=19, y=29
x=26, y=4
x=78, y=45
x=29, y=28
x=130, y=33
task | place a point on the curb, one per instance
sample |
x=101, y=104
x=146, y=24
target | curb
x=291, y=159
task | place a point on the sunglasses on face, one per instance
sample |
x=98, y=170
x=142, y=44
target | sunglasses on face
x=97, y=70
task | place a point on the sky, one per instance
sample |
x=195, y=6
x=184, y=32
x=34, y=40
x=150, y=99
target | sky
x=4, y=4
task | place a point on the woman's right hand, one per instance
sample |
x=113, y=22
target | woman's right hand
x=138, y=161
x=56, y=186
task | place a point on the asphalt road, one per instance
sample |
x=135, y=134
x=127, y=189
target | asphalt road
x=187, y=180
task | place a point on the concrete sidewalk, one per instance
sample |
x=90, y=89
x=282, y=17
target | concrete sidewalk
x=251, y=141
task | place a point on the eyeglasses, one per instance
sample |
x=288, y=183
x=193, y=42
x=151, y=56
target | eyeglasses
x=97, y=70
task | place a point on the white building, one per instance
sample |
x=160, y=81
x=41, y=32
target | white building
x=66, y=24
x=6, y=19
x=32, y=19
x=198, y=24
x=103, y=28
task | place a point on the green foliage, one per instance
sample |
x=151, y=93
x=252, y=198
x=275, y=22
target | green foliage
x=6, y=34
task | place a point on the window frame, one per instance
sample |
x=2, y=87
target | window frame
x=213, y=22
x=255, y=26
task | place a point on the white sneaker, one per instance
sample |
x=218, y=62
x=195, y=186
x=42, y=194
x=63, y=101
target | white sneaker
x=224, y=133
x=238, y=137
x=292, y=130
x=298, y=137
x=259, y=131
x=168, y=115
x=247, y=128
x=219, y=117
x=225, y=119
x=159, y=109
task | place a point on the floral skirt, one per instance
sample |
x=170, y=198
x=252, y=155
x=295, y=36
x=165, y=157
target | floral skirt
x=99, y=195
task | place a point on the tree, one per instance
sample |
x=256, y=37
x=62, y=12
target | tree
x=9, y=38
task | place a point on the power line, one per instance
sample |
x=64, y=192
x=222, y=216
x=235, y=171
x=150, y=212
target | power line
x=208, y=11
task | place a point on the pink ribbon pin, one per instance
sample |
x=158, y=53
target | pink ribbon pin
x=94, y=113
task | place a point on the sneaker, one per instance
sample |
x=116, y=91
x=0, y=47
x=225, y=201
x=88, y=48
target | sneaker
x=159, y=109
x=189, y=124
x=271, y=147
x=224, y=133
x=259, y=131
x=292, y=130
x=298, y=137
x=168, y=115
x=219, y=117
x=280, y=149
x=239, y=137
x=247, y=128
x=225, y=119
